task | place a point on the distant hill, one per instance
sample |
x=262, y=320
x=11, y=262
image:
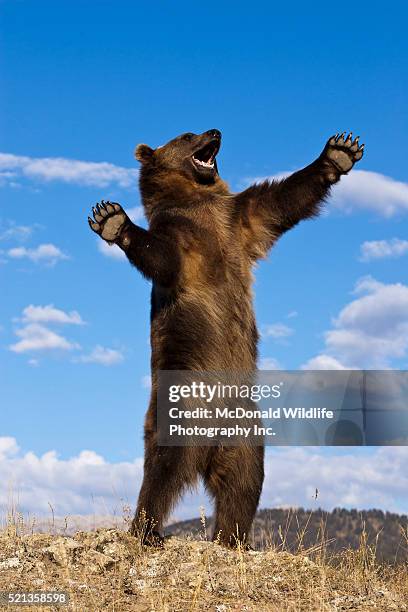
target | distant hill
x=297, y=530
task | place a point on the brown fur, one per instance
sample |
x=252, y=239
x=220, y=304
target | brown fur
x=199, y=253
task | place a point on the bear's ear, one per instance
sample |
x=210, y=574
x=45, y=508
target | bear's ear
x=143, y=152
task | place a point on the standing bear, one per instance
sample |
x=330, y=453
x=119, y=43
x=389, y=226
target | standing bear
x=199, y=252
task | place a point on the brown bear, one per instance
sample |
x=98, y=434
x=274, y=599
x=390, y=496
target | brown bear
x=199, y=252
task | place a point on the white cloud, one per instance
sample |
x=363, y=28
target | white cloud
x=276, y=331
x=147, y=381
x=88, y=484
x=50, y=314
x=8, y=447
x=382, y=249
x=98, y=174
x=269, y=363
x=81, y=484
x=361, y=190
x=103, y=356
x=16, y=232
x=111, y=250
x=35, y=337
x=372, y=330
x=364, y=190
x=323, y=362
x=7, y=178
x=136, y=213
x=44, y=253
x=357, y=479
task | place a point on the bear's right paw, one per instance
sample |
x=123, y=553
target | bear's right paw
x=108, y=221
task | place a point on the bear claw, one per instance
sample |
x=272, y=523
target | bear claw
x=93, y=225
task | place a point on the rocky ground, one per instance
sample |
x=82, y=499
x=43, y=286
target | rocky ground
x=108, y=570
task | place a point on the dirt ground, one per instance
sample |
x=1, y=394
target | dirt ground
x=109, y=570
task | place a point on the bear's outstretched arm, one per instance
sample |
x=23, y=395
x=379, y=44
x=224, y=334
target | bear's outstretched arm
x=271, y=208
x=152, y=254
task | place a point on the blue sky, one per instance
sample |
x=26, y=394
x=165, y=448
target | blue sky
x=82, y=84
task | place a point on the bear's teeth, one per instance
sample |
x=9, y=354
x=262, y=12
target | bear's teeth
x=205, y=164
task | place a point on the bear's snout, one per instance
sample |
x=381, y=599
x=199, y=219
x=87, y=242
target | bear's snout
x=214, y=133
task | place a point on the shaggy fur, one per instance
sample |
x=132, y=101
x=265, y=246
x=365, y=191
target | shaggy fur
x=199, y=251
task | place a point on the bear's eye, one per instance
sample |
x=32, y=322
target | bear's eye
x=188, y=136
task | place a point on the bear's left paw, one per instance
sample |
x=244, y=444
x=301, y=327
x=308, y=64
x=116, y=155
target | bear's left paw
x=343, y=151
x=108, y=220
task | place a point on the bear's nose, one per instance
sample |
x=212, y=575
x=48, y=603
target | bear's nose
x=214, y=133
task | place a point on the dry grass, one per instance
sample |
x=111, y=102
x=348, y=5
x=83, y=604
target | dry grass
x=109, y=570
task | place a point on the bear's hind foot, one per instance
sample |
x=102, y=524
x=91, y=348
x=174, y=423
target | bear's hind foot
x=153, y=539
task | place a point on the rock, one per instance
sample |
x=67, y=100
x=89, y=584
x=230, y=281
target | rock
x=96, y=562
x=116, y=550
x=64, y=551
x=9, y=563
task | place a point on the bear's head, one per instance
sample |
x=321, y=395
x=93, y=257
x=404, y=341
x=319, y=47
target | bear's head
x=189, y=155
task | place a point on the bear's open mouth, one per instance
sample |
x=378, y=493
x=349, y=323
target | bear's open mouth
x=205, y=157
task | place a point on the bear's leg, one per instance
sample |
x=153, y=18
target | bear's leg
x=167, y=472
x=234, y=478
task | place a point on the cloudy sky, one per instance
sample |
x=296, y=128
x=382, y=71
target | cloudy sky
x=81, y=86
